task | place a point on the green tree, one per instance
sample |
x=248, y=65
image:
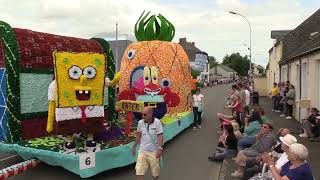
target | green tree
x=260, y=69
x=212, y=61
x=195, y=73
x=237, y=62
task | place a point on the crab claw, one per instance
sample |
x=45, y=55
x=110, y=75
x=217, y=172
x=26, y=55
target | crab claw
x=127, y=95
x=172, y=99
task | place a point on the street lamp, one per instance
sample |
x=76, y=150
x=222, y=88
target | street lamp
x=232, y=12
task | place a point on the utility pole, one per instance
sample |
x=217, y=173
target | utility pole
x=116, y=46
x=250, y=56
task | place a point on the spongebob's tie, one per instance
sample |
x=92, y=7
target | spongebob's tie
x=83, y=114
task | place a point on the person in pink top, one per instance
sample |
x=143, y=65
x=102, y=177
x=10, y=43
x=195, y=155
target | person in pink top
x=238, y=108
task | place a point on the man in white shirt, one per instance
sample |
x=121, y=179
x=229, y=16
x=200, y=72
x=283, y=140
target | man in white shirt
x=150, y=137
x=247, y=100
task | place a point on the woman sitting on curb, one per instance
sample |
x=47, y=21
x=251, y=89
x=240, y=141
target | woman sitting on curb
x=237, y=107
x=251, y=129
x=309, y=124
x=229, y=141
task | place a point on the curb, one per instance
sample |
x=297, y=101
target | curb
x=223, y=170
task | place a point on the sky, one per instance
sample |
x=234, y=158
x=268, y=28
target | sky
x=205, y=22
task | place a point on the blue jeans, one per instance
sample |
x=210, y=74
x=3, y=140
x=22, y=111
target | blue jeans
x=246, y=141
x=274, y=102
x=222, y=153
x=196, y=117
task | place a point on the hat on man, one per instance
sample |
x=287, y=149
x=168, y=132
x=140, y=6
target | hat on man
x=288, y=140
x=268, y=122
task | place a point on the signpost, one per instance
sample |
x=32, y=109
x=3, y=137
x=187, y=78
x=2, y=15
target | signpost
x=130, y=106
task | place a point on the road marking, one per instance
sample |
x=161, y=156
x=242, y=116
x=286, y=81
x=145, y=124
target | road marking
x=4, y=159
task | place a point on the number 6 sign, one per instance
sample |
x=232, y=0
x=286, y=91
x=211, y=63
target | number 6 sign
x=87, y=160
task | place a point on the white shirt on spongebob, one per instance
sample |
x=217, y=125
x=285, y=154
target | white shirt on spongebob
x=70, y=113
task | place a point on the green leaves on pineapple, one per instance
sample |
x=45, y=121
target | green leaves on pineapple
x=150, y=29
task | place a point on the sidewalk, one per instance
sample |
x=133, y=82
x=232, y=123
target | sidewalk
x=229, y=166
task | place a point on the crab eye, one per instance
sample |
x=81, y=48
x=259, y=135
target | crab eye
x=154, y=75
x=131, y=54
x=165, y=82
x=146, y=75
x=75, y=72
x=90, y=72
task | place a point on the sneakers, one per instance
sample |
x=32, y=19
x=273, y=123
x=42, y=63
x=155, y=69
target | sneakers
x=237, y=174
x=272, y=110
x=314, y=139
x=211, y=158
x=91, y=143
x=282, y=115
x=303, y=135
x=194, y=128
x=288, y=117
x=199, y=126
x=70, y=145
x=277, y=111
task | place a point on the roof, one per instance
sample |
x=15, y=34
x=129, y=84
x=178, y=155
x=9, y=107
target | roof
x=302, y=39
x=227, y=68
x=311, y=46
x=36, y=48
x=260, y=67
x=190, y=49
x=279, y=34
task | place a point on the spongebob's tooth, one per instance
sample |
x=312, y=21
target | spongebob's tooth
x=80, y=92
x=86, y=92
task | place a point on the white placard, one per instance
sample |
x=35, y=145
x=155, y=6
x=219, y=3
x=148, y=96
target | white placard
x=87, y=160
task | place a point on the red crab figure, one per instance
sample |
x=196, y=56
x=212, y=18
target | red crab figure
x=147, y=89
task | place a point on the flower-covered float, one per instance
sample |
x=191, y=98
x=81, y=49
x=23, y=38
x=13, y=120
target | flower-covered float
x=58, y=100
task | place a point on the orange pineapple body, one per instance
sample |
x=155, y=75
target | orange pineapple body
x=169, y=68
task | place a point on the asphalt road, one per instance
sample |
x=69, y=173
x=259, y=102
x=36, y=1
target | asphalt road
x=185, y=156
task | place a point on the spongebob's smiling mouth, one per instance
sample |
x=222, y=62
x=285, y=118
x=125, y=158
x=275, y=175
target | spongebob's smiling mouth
x=83, y=95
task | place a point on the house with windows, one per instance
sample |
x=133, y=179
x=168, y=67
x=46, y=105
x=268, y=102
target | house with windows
x=223, y=71
x=299, y=62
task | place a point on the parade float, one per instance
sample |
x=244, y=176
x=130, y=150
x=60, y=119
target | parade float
x=58, y=102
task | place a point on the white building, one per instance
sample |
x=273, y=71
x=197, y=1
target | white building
x=296, y=58
x=201, y=64
x=223, y=71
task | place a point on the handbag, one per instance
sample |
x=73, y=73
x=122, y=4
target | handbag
x=264, y=175
x=290, y=101
x=200, y=107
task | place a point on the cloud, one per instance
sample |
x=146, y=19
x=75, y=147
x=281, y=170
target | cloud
x=207, y=23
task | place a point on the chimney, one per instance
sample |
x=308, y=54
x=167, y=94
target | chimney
x=193, y=44
x=182, y=40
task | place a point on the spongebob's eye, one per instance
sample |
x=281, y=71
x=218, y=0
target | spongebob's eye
x=90, y=72
x=131, y=54
x=75, y=72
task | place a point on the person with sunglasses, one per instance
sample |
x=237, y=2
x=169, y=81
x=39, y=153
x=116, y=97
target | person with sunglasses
x=150, y=137
x=264, y=142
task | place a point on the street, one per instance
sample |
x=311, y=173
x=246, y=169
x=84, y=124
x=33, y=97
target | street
x=185, y=157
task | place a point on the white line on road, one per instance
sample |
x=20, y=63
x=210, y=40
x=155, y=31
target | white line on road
x=4, y=159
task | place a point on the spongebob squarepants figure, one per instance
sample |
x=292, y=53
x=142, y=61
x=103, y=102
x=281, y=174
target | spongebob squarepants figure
x=76, y=96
